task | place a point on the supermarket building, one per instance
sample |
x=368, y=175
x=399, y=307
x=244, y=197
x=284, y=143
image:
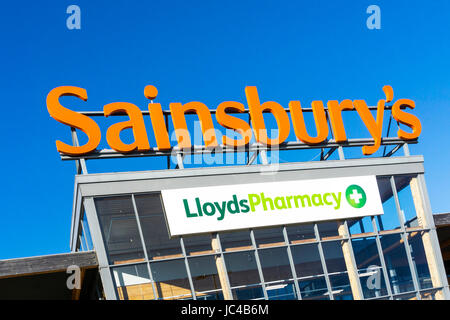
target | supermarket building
x=293, y=231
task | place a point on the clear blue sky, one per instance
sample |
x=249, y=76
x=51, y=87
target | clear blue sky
x=204, y=51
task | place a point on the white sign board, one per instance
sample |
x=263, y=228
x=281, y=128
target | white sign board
x=243, y=206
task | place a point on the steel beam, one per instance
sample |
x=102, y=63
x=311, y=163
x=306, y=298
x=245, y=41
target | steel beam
x=286, y=146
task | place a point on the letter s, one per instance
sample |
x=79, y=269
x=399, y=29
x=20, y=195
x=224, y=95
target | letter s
x=73, y=119
x=407, y=119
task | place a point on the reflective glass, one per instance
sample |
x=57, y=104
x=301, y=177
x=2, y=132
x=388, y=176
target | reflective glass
x=171, y=279
x=314, y=289
x=248, y=293
x=275, y=264
x=269, y=237
x=87, y=232
x=281, y=291
x=397, y=263
x=204, y=274
x=369, y=267
x=360, y=226
x=406, y=201
x=133, y=282
x=340, y=285
x=420, y=259
x=119, y=228
x=431, y=295
x=216, y=295
x=382, y=298
x=389, y=219
x=334, y=258
x=82, y=243
x=328, y=229
x=237, y=240
x=409, y=296
x=365, y=251
x=306, y=260
x=195, y=245
x=154, y=228
x=372, y=281
x=242, y=268
x=301, y=233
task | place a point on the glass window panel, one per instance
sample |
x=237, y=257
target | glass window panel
x=275, y=264
x=409, y=296
x=82, y=245
x=396, y=263
x=133, y=282
x=431, y=295
x=388, y=220
x=340, y=285
x=216, y=295
x=314, y=289
x=154, y=228
x=237, y=240
x=382, y=298
x=242, y=268
x=171, y=279
x=366, y=252
x=248, y=293
x=406, y=201
x=195, y=245
x=334, y=258
x=282, y=291
x=369, y=267
x=306, y=260
x=372, y=282
x=204, y=274
x=360, y=226
x=420, y=259
x=301, y=233
x=119, y=228
x=87, y=232
x=328, y=229
x=269, y=237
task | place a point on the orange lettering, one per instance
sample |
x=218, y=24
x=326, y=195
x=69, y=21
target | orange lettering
x=230, y=122
x=407, y=119
x=299, y=122
x=225, y=118
x=256, y=114
x=179, y=121
x=136, y=122
x=157, y=117
x=375, y=127
x=73, y=119
x=335, y=111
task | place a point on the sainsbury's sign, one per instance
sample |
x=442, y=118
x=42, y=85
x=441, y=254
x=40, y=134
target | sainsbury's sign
x=256, y=129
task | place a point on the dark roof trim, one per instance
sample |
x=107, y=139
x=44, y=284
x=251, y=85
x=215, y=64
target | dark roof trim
x=48, y=263
x=441, y=219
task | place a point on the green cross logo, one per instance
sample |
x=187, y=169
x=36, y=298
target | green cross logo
x=356, y=196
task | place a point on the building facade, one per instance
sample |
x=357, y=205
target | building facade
x=395, y=255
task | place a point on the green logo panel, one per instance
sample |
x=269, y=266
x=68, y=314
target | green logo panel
x=356, y=196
